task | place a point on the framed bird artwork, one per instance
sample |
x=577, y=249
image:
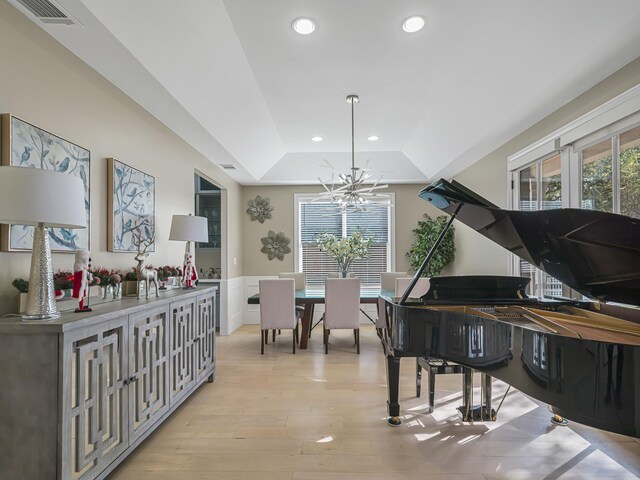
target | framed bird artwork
x=131, y=207
x=26, y=145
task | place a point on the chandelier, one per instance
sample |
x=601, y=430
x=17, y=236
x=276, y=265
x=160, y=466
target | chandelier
x=357, y=189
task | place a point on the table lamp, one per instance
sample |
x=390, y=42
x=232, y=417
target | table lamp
x=42, y=198
x=189, y=228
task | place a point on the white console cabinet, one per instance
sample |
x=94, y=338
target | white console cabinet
x=80, y=393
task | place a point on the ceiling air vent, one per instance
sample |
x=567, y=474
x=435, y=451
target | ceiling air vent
x=47, y=12
x=227, y=166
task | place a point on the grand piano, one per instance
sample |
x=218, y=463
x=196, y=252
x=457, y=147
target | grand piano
x=581, y=357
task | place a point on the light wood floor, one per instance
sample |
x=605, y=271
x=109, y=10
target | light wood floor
x=310, y=416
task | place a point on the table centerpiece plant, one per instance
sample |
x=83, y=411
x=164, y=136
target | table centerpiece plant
x=345, y=250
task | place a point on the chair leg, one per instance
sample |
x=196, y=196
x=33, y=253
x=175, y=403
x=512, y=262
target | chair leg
x=418, y=377
x=274, y=335
x=294, y=334
x=262, y=342
x=266, y=337
x=357, y=334
x=325, y=331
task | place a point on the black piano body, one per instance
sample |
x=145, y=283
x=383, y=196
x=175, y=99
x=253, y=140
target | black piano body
x=580, y=357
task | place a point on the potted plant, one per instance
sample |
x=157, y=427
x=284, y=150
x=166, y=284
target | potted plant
x=426, y=235
x=345, y=250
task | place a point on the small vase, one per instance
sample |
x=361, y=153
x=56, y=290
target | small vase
x=105, y=291
x=115, y=290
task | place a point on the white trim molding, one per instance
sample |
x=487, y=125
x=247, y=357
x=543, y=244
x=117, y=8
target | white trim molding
x=616, y=109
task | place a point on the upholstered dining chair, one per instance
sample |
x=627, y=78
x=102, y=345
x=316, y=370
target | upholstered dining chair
x=388, y=280
x=342, y=308
x=338, y=275
x=277, y=309
x=421, y=287
x=298, y=277
x=388, y=283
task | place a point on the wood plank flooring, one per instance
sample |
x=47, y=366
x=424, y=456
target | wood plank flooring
x=313, y=416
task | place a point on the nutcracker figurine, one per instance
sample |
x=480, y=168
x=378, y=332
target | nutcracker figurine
x=81, y=279
x=190, y=272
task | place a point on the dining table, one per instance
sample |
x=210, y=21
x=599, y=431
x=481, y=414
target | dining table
x=310, y=297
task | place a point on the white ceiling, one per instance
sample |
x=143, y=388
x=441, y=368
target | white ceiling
x=233, y=79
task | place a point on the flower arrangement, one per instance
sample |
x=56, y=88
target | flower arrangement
x=168, y=271
x=345, y=250
x=63, y=279
x=107, y=277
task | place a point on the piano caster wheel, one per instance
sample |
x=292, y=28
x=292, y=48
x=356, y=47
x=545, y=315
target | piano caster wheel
x=394, y=421
x=558, y=420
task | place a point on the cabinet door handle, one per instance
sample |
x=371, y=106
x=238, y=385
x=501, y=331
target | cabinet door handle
x=133, y=379
x=126, y=381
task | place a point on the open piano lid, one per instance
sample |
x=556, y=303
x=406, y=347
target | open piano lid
x=595, y=253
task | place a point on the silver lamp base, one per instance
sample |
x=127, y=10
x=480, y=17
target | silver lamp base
x=41, y=300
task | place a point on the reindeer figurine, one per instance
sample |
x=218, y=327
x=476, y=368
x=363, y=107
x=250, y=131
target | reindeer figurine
x=144, y=274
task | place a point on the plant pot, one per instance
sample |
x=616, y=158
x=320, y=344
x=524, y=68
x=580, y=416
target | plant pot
x=130, y=288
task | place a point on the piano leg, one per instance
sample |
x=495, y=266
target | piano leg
x=418, y=377
x=467, y=395
x=488, y=414
x=393, y=385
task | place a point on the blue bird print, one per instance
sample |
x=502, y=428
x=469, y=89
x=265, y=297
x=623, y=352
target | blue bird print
x=133, y=192
x=25, y=155
x=147, y=183
x=128, y=224
x=64, y=165
x=68, y=235
x=83, y=176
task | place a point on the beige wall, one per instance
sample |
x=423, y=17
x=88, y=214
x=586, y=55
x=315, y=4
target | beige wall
x=488, y=176
x=45, y=84
x=409, y=209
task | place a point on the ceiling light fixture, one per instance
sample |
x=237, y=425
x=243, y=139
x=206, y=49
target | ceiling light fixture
x=413, y=24
x=373, y=138
x=304, y=25
x=316, y=139
x=349, y=190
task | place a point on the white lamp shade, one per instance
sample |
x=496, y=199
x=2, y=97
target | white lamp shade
x=189, y=228
x=29, y=196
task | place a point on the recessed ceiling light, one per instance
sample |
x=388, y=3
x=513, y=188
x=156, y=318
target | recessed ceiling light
x=303, y=25
x=316, y=139
x=413, y=24
x=373, y=138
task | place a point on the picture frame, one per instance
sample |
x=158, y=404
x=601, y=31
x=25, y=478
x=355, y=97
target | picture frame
x=131, y=206
x=24, y=144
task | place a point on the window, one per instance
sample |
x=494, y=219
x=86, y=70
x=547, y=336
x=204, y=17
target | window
x=592, y=163
x=317, y=218
x=540, y=188
x=611, y=174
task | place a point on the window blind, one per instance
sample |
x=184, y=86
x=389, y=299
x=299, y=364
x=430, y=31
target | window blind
x=318, y=218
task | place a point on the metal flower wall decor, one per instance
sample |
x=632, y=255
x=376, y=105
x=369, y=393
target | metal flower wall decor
x=260, y=209
x=275, y=245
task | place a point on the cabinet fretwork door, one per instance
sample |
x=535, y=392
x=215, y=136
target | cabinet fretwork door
x=95, y=416
x=206, y=335
x=183, y=348
x=148, y=369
